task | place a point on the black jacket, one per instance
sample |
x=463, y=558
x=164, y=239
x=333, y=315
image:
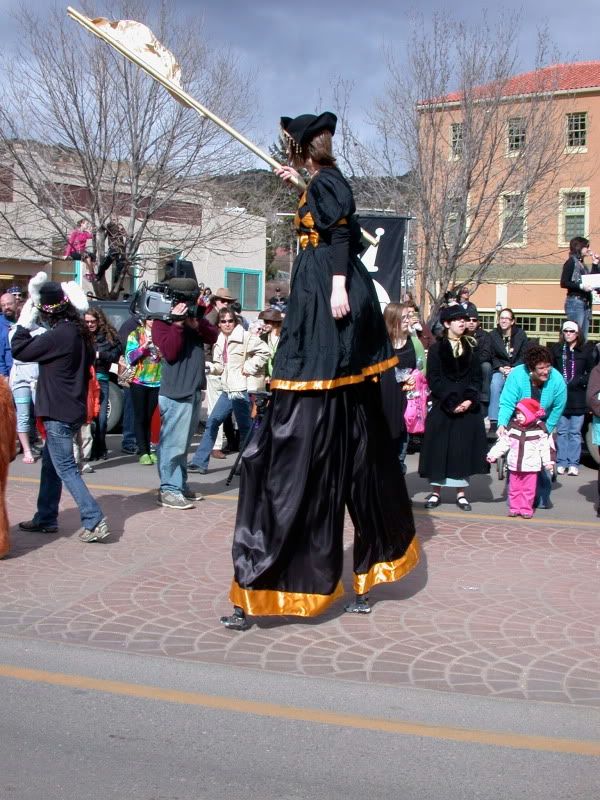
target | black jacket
x=585, y=359
x=107, y=353
x=484, y=347
x=570, y=278
x=65, y=361
x=518, y=345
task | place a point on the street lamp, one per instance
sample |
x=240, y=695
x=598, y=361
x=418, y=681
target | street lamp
x=498, y=309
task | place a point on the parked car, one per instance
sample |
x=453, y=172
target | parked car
x=117, y=312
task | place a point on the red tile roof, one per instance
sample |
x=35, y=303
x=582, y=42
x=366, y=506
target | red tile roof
x=554, y=78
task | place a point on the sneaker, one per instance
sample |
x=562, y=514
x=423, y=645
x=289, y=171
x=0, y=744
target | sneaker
x=573, y=470
x=196, y=497
x=191, y=467
x=561, y=470
x=86, y=469
x=33, y=527
x=146, y=460
x=154, y=458
x=513, y=514
x=130, y=451
x=173, y=500
x=98, y=534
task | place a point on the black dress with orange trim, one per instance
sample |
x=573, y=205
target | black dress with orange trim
x=324, y=446
x=315, y=350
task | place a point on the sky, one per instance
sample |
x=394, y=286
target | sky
x=297, y=50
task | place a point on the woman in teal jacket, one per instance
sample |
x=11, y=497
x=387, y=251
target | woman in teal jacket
x=538, y=379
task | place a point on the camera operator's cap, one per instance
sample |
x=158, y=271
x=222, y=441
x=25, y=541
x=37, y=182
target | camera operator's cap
x=225, y=294
x=52, y=297
x=451, y=313
x=271, y=315
x=185, y=286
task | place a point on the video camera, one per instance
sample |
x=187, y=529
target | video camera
x=158, y=300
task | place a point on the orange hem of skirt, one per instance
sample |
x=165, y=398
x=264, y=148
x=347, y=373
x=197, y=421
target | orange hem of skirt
x=271, y=602
x=388, y=571
x=334, y=383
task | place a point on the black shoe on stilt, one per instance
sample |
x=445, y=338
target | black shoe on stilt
x=360, y=605
x=236, y=621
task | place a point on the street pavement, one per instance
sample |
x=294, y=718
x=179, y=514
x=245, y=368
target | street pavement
x=499, y=611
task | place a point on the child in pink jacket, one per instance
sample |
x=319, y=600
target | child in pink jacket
x=529, y=448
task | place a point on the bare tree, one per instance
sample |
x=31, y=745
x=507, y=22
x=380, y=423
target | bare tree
x=84, y=133
x=482, y=152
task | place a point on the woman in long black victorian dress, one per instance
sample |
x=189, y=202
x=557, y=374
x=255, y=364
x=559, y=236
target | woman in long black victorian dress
x=324, y=444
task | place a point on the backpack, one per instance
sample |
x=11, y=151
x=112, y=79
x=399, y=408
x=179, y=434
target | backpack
x=93, y=397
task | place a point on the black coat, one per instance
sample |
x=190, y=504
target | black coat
x=518, y=345
x=585, y=359
x=65, y=361
x=454, y=445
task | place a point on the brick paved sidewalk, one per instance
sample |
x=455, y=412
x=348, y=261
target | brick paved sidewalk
x=496, y=607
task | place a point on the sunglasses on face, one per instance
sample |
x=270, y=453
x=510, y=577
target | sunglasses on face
x=569, y=330
x=227, y=321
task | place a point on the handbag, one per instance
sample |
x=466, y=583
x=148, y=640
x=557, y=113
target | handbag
x=125, y=373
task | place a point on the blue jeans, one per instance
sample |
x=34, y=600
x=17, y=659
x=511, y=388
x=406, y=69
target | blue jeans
x=128, y=424
x=496, y=386
x=543, y=488
x=577, y=310
x=568, y=441
x=178, y=423
x=223, y=408
x=58, y=467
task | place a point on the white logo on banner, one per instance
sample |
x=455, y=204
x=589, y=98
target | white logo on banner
x=369, y=259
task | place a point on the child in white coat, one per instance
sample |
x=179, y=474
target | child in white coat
x=529, y=448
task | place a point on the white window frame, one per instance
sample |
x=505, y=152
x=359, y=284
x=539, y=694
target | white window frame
x=515, y=153
x=577, y=148
x=455, y=155
x=513, y=245
x=562, y=193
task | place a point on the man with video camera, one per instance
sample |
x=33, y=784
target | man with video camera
x=181, y=341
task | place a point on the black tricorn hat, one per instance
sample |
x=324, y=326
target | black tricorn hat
x=305, y=127
x=453, y=312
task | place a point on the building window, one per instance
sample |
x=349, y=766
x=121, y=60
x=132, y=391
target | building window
x=577, y=130
x=456, y=139
x=516, y=135
x=573, y=215
x=513, y=219
x=246, y=285
x=456, y=221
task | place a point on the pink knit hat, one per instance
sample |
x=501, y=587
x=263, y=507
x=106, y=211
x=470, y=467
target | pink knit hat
x=531, y=410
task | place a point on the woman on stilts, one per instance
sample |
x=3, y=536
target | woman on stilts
x=324, y=444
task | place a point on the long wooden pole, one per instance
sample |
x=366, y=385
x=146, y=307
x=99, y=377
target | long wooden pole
x=184, y=97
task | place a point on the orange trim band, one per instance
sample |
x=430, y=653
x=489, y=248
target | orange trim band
x=388, y=571
x=334, y=383
x=270, y=602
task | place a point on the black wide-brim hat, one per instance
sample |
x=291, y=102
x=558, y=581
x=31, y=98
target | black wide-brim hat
x=453, y=312
x=305, y=127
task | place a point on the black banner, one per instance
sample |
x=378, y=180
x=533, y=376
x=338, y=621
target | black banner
x=385, y=261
